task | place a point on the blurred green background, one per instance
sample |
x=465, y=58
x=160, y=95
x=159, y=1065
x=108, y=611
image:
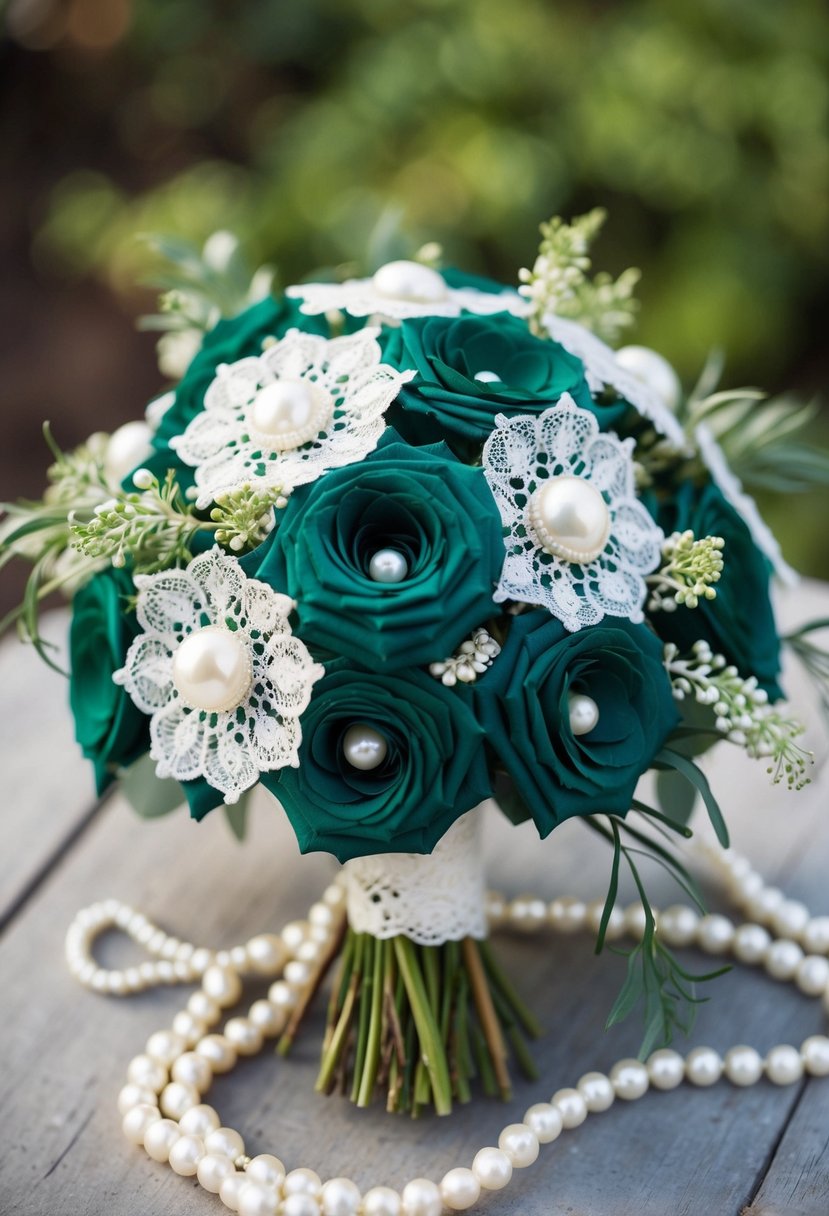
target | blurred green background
x=314, y=129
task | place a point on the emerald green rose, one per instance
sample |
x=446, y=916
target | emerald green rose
x=471, y=368
x=433, y=769
x=524, y=702
x=109, y=728
x=739, y=623
x=438, y=520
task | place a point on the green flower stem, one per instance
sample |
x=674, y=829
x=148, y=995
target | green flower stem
x=431, y=1046
x=490, y=1024
x=335, y=1050
x=501, y=984
x=368, y=1074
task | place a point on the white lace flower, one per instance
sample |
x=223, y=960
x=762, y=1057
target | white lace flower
x=400, y=290
x=602, y=369
x=308, y=404
x=578, y=540
x=731, y=488
x=220, y=672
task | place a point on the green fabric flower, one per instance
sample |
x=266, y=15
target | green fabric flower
x=433, y=772
x=523, y=702
x=739, y=623
x=109, y=728
x=445, y=399
x=423, y=503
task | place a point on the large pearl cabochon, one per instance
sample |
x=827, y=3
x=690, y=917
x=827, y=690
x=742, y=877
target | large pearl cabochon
x=570, y=518
x=290, y=412
x=652, y=369
x=364, y=747
x=409, y=281
x=212, y=669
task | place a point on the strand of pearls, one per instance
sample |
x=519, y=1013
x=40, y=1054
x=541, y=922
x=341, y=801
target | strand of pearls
x=161, y=1104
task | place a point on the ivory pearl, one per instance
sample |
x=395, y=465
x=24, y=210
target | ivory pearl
x=597, y=1091
x=571, y=1106
x=410, y=281
x=199, y=1120
x=190, y=1028
x=715, y=934
x=212, y=1171
x=545, y=1120
x=629, y=1079
x=388, y=566
x=340, y=1197
x=492, y=1168
x=790, y=919
x=570, y=518
x=186, y=1154
x=135, y=1095
x=703, y=1066
x=295, y=933
x=815, y=935
x=165, y=1046
x=242, y=1034
x=784, y=1065
x=212, y=669
x=743, y=1065
x=298, y=974
x=128, y=447
x=137, y=1120
x=666, y=1069
x=815, y=1053
x=222, y=984
x=520, y=1144
x=192, y=1069
x=783, y=958
x=266, y=1169
x=267, y=1018
x=224, y=1141
x=381, y=1201
x=282, y=996
x=459, y=1189
x=230, y=1189
x=527, y=913
x=160, y=1137
x=652, y=369
x=615, y=925
x=143, y=1070
x=364, y=747
x=812, y=974
x=257, y=1199
x=290, y=412
x=678, y=925
x=267, y=953
x=751, y=943
x=583, y=713
x=203, y=1008
x=302, y=1182
x=635, y=920
x=299, y=1205
x=486, y=377
x=177, y=1098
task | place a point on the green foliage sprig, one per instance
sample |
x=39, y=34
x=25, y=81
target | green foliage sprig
x=243, y=517
x=813, y=657
x=690, y=569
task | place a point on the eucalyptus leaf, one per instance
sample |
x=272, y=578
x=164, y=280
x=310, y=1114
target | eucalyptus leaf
x=148, y=795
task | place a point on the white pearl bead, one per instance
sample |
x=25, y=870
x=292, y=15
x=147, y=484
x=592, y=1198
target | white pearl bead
x=567, y=915
x=764, y=904
x=243, y=1035
x=295, y=933
x=583, y=713
x=231, y=1188
x=629, y=1079
x=743, y=1066
x=381, y=1201
x=177, y=1098
x=410, y=281
x=703, y=1066
x=545, y=1120
x=192, y=1069
x=571, y=1106
x=199, y=1120
x=666, y=1069
x=364, y=747
x=267, y=953
x=267, y=1169
x=492, y=1168
x=784, y=1065
x=815, y=1053
x=635, y=920
x=751, y=943
x=652, y=369
x=185, y=1155
x=160, y=1137
x=486, y=377
x=302, y=1182
x=815, y=936
x=225, y=1142
x=783, y=958
x=137, y=1120
x=135, y=1095
x=165, y=1046
x=300, y=1205
x=520, y=1144
x=790, y=919
x=340, y=1197
x=128, y=447
x=421, y=1197
x=219, y=1053
x=257, y=1199
x=267, y=1018
x=388, y=566
x=212, y=669
x=528, y=914
x=570, y=518
x=146, y=1072
x=283, y=997
x=812, y=974
x=290, y=412
x=678, y=925
x=189, y=1027
x=212, y=1171
x=715, y=934
x=203, y=1008
x=615, y=924
x=459, y=1189
x=298, y=974
x=597, y=1091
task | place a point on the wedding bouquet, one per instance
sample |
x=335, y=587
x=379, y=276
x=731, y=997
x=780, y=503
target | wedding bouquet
x=397, y=545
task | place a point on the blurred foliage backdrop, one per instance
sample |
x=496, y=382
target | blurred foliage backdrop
x=337, y=130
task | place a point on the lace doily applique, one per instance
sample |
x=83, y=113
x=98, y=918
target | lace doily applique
x=433, y=898
x=308, y=404
x=525, y=453
x=602, y=369
x=731, y=488
x=265, y=672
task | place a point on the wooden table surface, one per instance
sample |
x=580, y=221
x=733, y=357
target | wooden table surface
x=717, y=1152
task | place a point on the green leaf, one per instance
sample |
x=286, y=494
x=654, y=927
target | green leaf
x=148, y=795
x=677, y=797
x=697, y=778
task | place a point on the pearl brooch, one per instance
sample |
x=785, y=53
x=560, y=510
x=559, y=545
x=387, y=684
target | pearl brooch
x=288, y=413
x=212, y=670
x=570, y=518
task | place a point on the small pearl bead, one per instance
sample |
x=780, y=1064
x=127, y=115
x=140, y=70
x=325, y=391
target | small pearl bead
x=751, y=942
x=678, y=925
x=300, y=1205
x=230, y=1189
x=294, y=933
x=571, y=1106
x=381, y=1201
x=223, y=985
x=421, y=1197
x=203, y=1008
x=615, y=925
x=635, y=920
x=134, y=1095
x=545, y=1120
x=199, y=1120
x=147, y=1073
x=527, y=914
x=220, y=1055
x=597, y=1091
x=666, y=1069
x=492, y=1168
x=190, y=1028
x=282, y=996
x=815, y=1053
x=703, y=1066
x=783, y=958
x=812, y=975
x=266, y=1169
x=165, y=1047
x=177, y=1098
x=790, y=919
x=225, y=1142
x=302, y=1182
x=256, y=1199
x=266, y=1018
x=322, y=915
x=243, y=1035
x=583, y=714
x=340, y=1197
x=364, y=748
x=497, y=909
x=298, y=974
x=212, y=1171
x=784, y=1065
x=815, y=936
x=160, y=1137
x=764, y=904
x=193, y=1069
x=743, y=1066
x=267, y=953
x=715, y=934
x=567, y=915
x=629, y=1079
x=520, y=1144
x=460, y=1189
x=185, y=1155
x=137, y=1120
x=388, y=566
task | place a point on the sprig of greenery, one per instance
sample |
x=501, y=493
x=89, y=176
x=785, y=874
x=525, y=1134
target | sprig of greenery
x=690, y=569
x=559, y=281
x=814, y=658
x=244, y=516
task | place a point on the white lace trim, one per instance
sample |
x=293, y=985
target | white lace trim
x=602, y=368
x=731, y=489
x=360, y=298
x=523, y=452
x=227, y=455
x=229, y=748
x=430, y=899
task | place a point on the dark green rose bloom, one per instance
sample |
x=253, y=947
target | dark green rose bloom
x=437, y=513
x=434, y=769
x=523, y=702
x=445, y=399
x=111, y=731
x=739, y=623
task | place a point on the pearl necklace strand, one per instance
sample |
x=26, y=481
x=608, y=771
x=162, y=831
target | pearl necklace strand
x=161, y=1105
